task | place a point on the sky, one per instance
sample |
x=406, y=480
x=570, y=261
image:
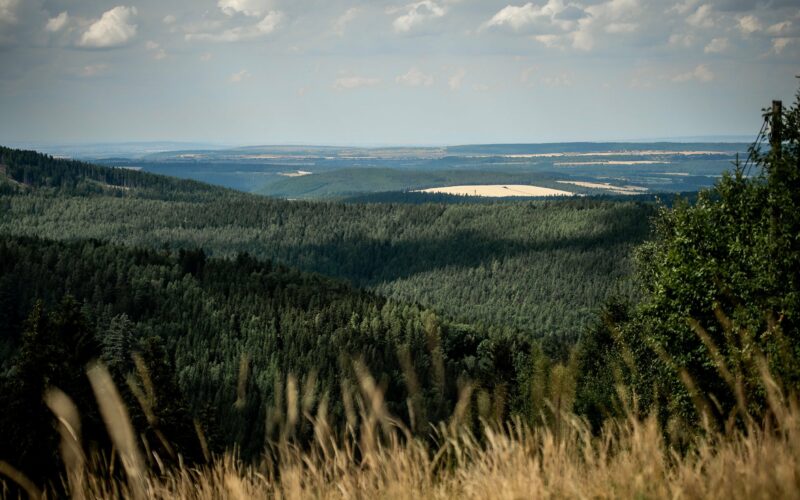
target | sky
x=427, y=72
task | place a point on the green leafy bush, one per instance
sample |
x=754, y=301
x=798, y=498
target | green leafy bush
x=721, y=295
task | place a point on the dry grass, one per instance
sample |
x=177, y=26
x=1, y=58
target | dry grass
x=628, y=459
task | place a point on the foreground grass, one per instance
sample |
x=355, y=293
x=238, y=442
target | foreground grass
x=628, y=459
x=629, y=462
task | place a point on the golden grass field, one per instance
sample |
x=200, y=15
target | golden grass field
x=564, y=459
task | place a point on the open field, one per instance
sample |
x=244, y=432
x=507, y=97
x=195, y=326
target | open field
x=609, y=162
x=498, y=190
x=610, y=187
x=298, y=173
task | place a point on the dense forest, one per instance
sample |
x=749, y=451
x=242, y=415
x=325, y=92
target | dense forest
x=540, y=266
x=199, y=321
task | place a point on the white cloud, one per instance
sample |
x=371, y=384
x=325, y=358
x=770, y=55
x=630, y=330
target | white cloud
x=252, y=8
x=779, y=28
x=684, y=40
x=617, y=28
x=703, y=17
x=683, y=7
x=701, y=73
x=455, y=80
x=158, y=52
x=552, y=14
x=716, y=46
x=749, y=24
x=613, y=17
x=560, y=80
x=114, y=28
x=239, y=76
x=169, y=19
x=480, y=87
x=93, y=70
x=354, y=82
x=614, y=9
x=781, y=43
x=550, y=41
x=8, y=11
x=415, y=14
x=560, y=24
x=342, y=21
x=415, y=78
x=267, y=25
x=516, y=17
x=533, y=74
x=582, y=39
x=55, y=24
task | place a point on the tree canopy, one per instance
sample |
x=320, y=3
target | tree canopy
x=721, y=294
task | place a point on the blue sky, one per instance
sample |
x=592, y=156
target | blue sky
x=391, y=72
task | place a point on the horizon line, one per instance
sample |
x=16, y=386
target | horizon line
x=721, y=139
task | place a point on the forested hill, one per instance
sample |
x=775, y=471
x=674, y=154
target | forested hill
x=29, y=169
x=218, y=338
x=539, y=266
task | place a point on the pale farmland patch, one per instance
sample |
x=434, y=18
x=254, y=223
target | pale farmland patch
x=498, y=190
x=647, y=152
x=609, y=162
x=298, y=173
x=610, y=187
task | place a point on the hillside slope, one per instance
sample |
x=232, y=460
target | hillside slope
x=540, y=266
x=197, y=320
x=349, y=181
x=29, y=169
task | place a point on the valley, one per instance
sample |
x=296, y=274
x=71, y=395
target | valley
x=402, y=250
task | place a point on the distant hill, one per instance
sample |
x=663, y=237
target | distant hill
x=348, y=171
x=593, y=147
x=352, y=181
x=29, y=169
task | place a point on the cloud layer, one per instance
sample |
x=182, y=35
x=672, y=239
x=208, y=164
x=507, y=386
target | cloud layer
x=495, y=66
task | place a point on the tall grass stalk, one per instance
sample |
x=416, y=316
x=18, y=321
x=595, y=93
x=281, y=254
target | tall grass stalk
x=379, y=457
